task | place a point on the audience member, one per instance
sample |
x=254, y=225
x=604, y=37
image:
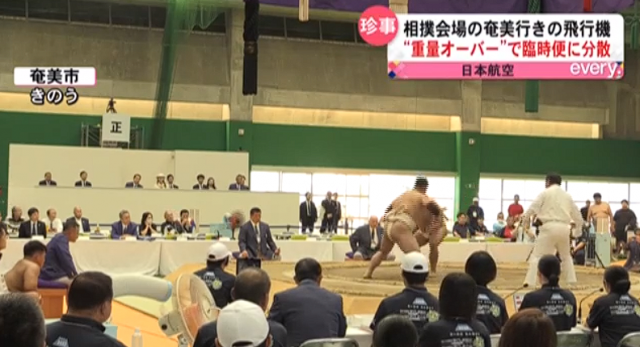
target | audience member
x=170, y=226
x=239, y=185
x=600, y=210
x=255, y=239
x=578, y=251
x=337, y=217
x=308, y=214
x=327, y=212
x=624, y=219
x=160, y=182
x=491, y=311
x=252, y=285
x=395, y=331
x=211, y=184
x=510, y=230
x=15, y=220
x=58, y=263
x=83, y=223
x=135, y=183
x=170, y=184
x=200, y=185
x=3, y=226
x=47, y=181
x=457, y=325
x=499, y=225
x=83, y=180
x=242, y=323
x=147, y=228
x=414, y=302
x=23, y=276
x=21, y=322
x=217, y=280
x=460, y=228
x=366, y=240
x=616, y=313
x=308, y=311
x=515, y=209
x=584, y=211
x=473, y=213
x=52, y=222
x=482, y=229
x=557, y=303
x=33, y=226
x=529, y=328
x=124, y=227
x=89, y=306
x=188, y=225
x=632, y=263
x=4, y=236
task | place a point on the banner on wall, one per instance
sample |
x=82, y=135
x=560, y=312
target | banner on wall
x=116, y=128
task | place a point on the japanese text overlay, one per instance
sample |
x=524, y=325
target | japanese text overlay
x=497, y=46
x=54, y=85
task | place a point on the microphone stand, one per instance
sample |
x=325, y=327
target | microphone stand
x=579, y=318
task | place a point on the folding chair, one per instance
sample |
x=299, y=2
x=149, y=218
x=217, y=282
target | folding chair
x=630, y=340
x=337, y=342
x=574, y=338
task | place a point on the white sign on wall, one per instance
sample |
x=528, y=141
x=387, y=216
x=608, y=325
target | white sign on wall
x=116, y=127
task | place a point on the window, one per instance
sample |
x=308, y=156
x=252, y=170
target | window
x=158, y=17
x=13, y=8
x=441, y=187
x=130, y=15
x=271, y=26
x=357, y=185
x=219, y=25
x=580, y=191
x=89, y=11
x=265, y=181
x=634, y=193
x=611, y=192
x=526, y=189
x=296, y=183
x=302, y=30
x=490, y=189
x=48, y=9
x=491, y=209
x=338, y=31
x=334, y=183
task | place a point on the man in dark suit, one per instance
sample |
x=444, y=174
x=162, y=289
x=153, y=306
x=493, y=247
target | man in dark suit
x=47, y=181
x=33, y=226
x=239, y=185
x=308, y=311
x=327, y=216
x=365, y=240
x=338, y=215
x=308, y=214
x=170, y=184
x=124, y=227
x=255, y=239
x=135, y=183
x=83, y=180
x=83, y=223
x=200, y=185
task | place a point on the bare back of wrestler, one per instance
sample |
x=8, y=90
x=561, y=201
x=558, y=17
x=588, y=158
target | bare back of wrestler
x=412, y=220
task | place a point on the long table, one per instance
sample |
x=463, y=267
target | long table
x=164, y=256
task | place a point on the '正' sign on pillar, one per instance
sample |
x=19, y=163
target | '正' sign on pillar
x=496, y=46
x=116, y=128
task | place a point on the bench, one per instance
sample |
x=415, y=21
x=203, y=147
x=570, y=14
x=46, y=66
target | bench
x=52, y=296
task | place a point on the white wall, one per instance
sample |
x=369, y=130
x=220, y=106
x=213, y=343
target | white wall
x=102, y=205
x=112, y=168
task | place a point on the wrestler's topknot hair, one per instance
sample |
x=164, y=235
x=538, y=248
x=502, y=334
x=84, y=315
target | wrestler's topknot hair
x=421, y=182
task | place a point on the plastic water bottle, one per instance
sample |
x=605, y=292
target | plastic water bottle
x=136, y=339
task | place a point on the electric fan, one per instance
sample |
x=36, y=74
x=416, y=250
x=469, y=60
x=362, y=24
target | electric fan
x=142, y=286
x=193, y=306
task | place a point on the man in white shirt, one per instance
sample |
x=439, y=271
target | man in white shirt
x=53, y=223
x=556, y=210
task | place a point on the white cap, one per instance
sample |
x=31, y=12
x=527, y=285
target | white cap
x=475, y=199
x=415, y=262
x=242, y=323
x=218, y=251
x=160, y=175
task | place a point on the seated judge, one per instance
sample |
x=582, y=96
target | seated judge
x=170, y=184
x=135, y=183
x=239, y=185
x=82, y=222
x=33, y=226
x=52, y=222
x=200, y=185
x=23, y=277
x=188, y=224
x=170, y=225
x=255, y=239
x=58, y=263
x=83, y=183
x=47, y=181
x=365, y=240
x=124, y=227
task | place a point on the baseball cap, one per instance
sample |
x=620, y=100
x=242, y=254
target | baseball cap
x=476, y=199
x=218, y=251
x=415, y=262
x=242, y=323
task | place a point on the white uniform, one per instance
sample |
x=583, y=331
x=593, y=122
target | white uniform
x=556, y=209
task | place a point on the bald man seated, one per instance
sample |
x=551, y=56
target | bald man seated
x=365, y=240
x=23, y=277
x=83, y=223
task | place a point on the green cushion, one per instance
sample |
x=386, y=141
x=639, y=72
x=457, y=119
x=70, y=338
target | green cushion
x=298, y=237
